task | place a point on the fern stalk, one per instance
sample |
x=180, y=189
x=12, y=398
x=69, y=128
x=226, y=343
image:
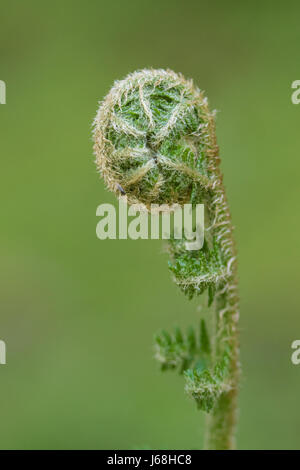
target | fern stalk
x=155, y=141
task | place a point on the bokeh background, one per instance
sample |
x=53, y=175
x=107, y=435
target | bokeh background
x=78, y=314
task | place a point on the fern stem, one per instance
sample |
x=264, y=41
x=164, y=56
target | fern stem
x=221, y=423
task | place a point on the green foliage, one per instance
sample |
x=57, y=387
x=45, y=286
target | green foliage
x=190, y=354
x=182, y=351
x=197, y=270
x=204, y=339
x=206, y=386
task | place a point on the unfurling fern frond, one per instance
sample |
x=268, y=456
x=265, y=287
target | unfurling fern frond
x=155, y=138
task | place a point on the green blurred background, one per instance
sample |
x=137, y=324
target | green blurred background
x=78, y=314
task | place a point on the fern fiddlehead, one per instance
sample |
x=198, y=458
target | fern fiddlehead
x=155, y=141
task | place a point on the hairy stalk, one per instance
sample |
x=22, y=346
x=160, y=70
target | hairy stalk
x=155, y=141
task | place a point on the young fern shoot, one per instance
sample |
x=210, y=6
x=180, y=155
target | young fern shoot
x=155, y=139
